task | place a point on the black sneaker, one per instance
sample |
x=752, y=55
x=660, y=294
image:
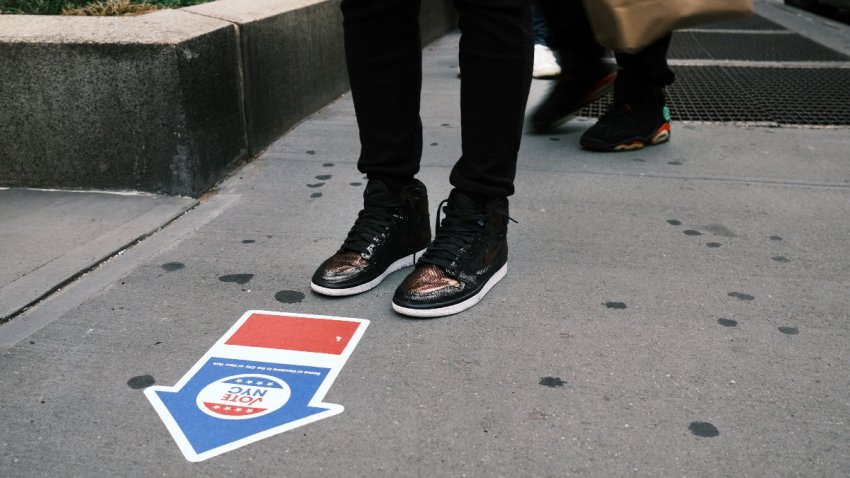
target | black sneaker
x=390, y=233
x=570, y=94
x=468, y=256
x=629, y=127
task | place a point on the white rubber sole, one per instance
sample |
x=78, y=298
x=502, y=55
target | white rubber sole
x=455, y=308
x=406, y=261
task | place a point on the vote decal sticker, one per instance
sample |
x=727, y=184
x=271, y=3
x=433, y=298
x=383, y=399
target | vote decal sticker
x=268, y=374
x=243, y=396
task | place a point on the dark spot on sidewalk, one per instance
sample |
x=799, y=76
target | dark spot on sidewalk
x=323, y=177
x=289, y=296
x=316, y=185
x=740, y=296
x=172, y=266
x=674, y=222
x=615, y=305
x=310, y=152
x=554, y=139
x=713, y=244
x=248, y=241
x=780, y=259
x=552, y=382
x=316, y=195
x=240, y=279
x=328, y=165
x=727, y=322
x=675, y=163
x=446, y=125
x=355, y=183
x=435, y=144
x=775, y=238
x=789, y=330
x=639, y=160
x=703, y=429
x=141, y=381
x=691, y=232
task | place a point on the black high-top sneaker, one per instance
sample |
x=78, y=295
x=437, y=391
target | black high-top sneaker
x=570, y=93
x=468, y=256
x=391, y=232
x=631, y=124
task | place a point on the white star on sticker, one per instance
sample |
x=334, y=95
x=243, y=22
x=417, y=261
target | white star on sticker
x=249, y=381
x=238, y=380
x=216, y=407
x=238, y=409
x=227, y=408
x=250, y=410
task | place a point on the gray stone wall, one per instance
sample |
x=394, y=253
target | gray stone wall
x=166, y=102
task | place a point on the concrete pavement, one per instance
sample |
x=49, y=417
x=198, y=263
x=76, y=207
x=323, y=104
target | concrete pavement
x=679, y=311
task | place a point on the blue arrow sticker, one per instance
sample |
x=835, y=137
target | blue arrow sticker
x=268, y=374
x=219, y=405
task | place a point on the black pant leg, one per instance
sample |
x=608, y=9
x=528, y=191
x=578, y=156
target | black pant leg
x=570, y=34
x=384, y=58
x=496, y=59
x=643, y=73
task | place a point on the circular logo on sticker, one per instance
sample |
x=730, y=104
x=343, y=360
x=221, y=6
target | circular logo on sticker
x=241, y=397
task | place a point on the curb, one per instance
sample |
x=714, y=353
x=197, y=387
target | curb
x=166, y=102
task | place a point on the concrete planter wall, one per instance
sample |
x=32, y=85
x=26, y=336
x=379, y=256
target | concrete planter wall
x=166, y=102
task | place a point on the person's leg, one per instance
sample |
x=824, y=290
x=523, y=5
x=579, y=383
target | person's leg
x=496, y=55
x=469, y=253
x=545, y=63
x=571, y=36
x=643, y=74
x=541, y=26
x=584, y=76
x=639, y=116
x=384, y=57
x=383, y=53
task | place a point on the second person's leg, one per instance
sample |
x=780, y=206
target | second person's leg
x=639, y=116
x=469, y=253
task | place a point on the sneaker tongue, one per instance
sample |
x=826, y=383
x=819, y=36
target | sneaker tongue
x=377, y=190
x=462, y=202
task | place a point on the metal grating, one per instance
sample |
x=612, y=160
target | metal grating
x=801, y=96
x=753, y=22
x=782, y=96
x=742, y=46
x=746, y=94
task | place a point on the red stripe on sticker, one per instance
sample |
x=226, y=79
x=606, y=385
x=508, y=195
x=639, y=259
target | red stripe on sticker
x=326, y=336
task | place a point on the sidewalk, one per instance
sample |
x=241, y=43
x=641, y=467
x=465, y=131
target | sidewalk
x=653, y=298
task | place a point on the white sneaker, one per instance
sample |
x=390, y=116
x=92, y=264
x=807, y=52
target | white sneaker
x=545, y=64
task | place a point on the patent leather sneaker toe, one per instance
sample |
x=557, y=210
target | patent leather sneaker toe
x=391, y=232
x=466, y=259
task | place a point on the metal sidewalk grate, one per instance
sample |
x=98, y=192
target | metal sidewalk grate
x=778, y=89
x=753, y=22
x=782, y=96
x=742, y=46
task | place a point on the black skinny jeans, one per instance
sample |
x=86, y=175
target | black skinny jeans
x=384, y=58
